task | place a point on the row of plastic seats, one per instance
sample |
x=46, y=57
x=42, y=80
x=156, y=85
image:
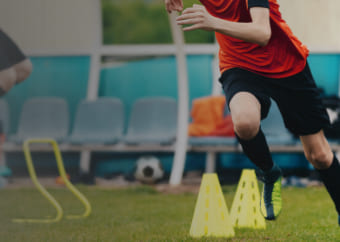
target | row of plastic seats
x=152, y=120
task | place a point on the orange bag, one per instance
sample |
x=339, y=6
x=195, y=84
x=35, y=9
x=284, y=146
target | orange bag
x=208, y=117
x=224, y=128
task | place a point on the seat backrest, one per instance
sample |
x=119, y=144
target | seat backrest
x=45, y=117
x=273, y=125
x=102, y=117
x=155, y=116
x=4, y=116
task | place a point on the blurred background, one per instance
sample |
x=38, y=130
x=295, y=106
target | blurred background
x=91, y=49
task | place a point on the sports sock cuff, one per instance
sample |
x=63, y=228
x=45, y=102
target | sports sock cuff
x=334, y=166
x=331, y=179
x=257, y=151
x=258, y=137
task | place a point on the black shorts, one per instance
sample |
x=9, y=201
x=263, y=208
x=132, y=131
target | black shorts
x=297, y=97
x=10, y=54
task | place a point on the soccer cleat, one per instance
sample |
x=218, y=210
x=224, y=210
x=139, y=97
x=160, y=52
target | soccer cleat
x=271, y=201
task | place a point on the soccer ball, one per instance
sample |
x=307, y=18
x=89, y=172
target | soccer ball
x=148, y=169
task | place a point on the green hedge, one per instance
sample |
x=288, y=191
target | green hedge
x=139, y=22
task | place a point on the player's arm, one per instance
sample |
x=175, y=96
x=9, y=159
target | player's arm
x=173, y=5
x=257, y=31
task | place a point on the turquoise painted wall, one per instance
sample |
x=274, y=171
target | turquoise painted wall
x=64, y=77
x=325, y=69
x=155, y=77
x=67, y=77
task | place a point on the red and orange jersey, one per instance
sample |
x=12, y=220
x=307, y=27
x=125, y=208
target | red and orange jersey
x=283, y=56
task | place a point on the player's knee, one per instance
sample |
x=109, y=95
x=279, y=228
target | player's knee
x=23, y=70
x=320, y=159
x=7, y=80
x=246, y=128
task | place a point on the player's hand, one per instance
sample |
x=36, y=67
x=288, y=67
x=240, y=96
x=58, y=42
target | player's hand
x=173, y=5
x=197, y=17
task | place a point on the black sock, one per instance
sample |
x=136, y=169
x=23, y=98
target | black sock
x=331, y=179
x=257, y=151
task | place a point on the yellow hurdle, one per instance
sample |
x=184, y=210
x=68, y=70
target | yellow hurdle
x=44, y=192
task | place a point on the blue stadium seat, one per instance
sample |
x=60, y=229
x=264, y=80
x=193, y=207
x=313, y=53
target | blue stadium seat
x=212, y=141
x=100, y=121
x=4, y=115
x=274, y=129
x=45, y=117
x=152, y=121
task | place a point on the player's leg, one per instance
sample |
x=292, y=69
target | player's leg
x=320, y=155
x=305, y=116
x=245, y=111
x=23, y=69
x=14, y=65
x=246, y=114
x=8, y=79
x=14, y=75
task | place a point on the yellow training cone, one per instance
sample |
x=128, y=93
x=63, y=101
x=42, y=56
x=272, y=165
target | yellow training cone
x=211, y=217
x=245, y=210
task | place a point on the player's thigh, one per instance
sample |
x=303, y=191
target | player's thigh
x=23, y=70
x=7, y=79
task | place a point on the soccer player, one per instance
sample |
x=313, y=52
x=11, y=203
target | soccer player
x=260, y=58
x=15, y=67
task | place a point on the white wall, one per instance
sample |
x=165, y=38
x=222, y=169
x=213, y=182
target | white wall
x=66, y=25
x=315, y=22
x=51, y=24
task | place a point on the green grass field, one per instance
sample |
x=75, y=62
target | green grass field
x=143, y=214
